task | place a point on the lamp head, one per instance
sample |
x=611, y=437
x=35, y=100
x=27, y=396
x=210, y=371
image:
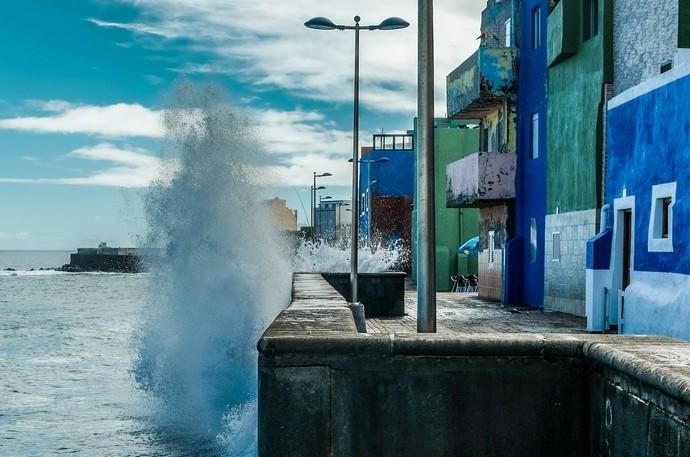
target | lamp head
x=320, y=23
x=392, y=23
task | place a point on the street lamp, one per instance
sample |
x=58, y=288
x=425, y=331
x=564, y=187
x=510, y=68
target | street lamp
x=313, y=198
x=314, y=191
x=322, y=23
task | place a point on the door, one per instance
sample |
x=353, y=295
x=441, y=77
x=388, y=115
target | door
x=627, y=249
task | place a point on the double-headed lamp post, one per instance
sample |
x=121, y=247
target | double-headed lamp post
x=322, y=23
x=313, y=198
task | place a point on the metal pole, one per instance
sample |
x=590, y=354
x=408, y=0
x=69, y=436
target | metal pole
x=313, y=208
x=370, y=211
x=426, y=239
x=357, y=308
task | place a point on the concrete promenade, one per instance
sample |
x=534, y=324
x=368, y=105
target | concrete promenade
x=494, y=381
x=464, y=313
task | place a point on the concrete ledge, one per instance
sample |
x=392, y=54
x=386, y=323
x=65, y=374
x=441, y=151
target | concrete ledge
x=324, y=389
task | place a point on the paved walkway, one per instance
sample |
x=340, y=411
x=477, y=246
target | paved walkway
x=467, y=314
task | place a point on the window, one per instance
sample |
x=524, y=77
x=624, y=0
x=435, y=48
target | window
x=666, y=66
x=492, y=245
x=661, y=218
x=508, y=32
x=556, y=253
x=536, y=28
x=532, y=240
x=535, y=136
x=590, y=17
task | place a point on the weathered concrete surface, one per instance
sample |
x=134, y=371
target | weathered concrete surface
x=326, y=390
x=466, y=314
x=481, y=179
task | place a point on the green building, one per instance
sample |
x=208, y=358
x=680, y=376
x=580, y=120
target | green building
x=579, y=77
x=453, y=140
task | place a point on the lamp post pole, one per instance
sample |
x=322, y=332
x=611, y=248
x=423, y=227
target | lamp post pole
x=322, y=23
x=426, y=235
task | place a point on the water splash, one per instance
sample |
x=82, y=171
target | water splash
x=223, y=278
x=316, y=256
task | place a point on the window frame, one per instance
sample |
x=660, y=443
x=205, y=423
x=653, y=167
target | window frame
x=660, y=216
x=534, y=136
x=590, y=19
x=536, y=28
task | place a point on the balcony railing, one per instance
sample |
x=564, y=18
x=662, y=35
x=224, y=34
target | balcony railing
x=481, y=179
x=481, y=82
x=393, y=142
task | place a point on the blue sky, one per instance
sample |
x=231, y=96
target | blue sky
x=82, y=84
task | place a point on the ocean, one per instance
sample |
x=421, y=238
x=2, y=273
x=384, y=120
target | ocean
x=67, y=350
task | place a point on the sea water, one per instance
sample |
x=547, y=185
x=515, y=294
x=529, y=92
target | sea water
x=160, y=363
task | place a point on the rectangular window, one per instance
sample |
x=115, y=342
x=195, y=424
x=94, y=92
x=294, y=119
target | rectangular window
x=556, y=252
x=666, y=66
x=660, y=234
x=535, y=136
x=532, y=240
x=536, y=27
x=491, y=247
x=509, y=32
x=590, y=18
x=665, y=216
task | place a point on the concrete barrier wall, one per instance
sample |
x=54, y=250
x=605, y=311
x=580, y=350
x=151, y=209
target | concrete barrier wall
x=324, y=390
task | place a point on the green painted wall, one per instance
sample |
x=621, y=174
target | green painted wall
x=684, y=23
x=453, y=226
x=574, y=127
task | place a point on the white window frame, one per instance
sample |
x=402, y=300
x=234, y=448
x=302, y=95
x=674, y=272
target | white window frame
x=655, y=243
x=556, y=247
x=533, y=240
x=509, y=32
x=534, y=153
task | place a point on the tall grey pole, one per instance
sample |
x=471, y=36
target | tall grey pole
x=426, y=235
x=370, y=210
x=313, y=208
x=357, y=308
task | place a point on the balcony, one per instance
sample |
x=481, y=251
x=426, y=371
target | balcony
x=481, y=82
x=481, y=179
x=563, y=32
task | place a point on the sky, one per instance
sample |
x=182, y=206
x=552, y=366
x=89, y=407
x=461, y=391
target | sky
x=83, y=82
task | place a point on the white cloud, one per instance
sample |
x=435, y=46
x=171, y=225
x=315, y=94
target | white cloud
x=133, y=167
x=266, y=43
x=120, y=120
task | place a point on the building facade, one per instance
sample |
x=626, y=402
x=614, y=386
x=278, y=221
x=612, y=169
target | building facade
x=453, y=140
x=525, y=250
x=484, y=87
x=333, y=219
x=386, y=189
x=284, y=219
x=579, y=56
x=638, y=266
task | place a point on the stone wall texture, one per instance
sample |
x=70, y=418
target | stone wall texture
x=564, y=279
x=645, y=35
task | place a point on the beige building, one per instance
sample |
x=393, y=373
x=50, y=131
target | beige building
x=283, y=217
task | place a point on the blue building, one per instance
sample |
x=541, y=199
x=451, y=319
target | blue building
x=525, y=251
x=385, y=174
x=638, y=266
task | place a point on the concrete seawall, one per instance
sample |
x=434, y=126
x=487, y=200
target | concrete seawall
x=326, y=390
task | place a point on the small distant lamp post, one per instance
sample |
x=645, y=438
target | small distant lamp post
x=313, y=197
x=322, y=23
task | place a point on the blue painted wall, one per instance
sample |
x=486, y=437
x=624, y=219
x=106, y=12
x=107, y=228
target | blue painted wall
x=394, y=178
x=649, y=144
x=525, y=279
